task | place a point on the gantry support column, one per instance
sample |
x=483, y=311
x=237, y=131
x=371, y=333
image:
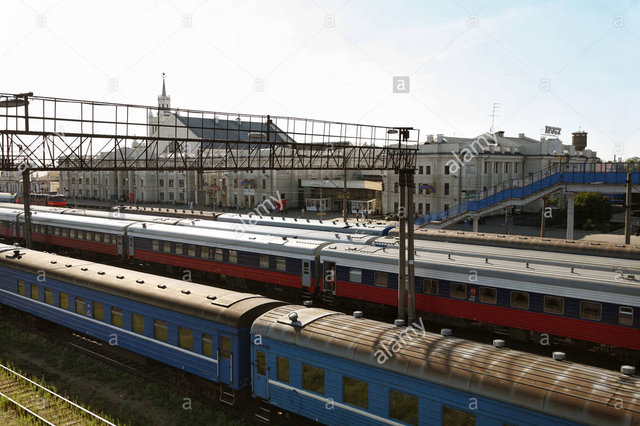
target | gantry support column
x=543, y=216
x=26, y=189
x=476, y=219
x=570, y=215
x=627, y=216
x=411, y=302
x=402, y=213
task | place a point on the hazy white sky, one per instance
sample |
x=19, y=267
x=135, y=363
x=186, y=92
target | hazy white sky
x=570, y=64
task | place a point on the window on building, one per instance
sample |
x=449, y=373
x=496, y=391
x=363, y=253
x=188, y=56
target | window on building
x=34, y=291
x=430, y=286
x=486, y=167
x=233, y=256
x=506, y=167
x=458, y=290
x=48, y=296
x=313, y=379
x=446, y=189
x=380, y=279
x=73, y=180
x=264, y=184
x=496, y=167
x=218, y=255
x=137, y=323
x=116, y=316
x=63, y=300
x=520, y=300
x=395, y=187
x=420, y=208
x=171, y=196
x=80, y=182
x=264, y=261
x=446, y=170
x=160, y=330
x=355, y=275
x=161, y=183
x=81, y=306
x=282, y=369
x=427, y=208
x=451, y=416
x=95, y=181
x=515, y=167
x=98, y=311
x=404, y=407
x=625, y=315
x=554, y=305
x=446, y=206
x=171, y=182
x=355, y=392
x=185, y=338
x=181, y=183
x=162, y=196
x=207, y=345
x=427, y=170
x=591, y=310
x=488, y=295
x=281, y=264
x=181, y=196
x=420, y=170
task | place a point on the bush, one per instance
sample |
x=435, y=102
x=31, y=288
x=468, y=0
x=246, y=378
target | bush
x=592, y=210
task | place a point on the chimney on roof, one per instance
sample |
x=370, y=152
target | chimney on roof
x=440, y=138
x=521, y=135
x=429, y=138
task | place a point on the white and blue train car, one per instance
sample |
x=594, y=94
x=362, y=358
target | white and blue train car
x=200, y=329
x=342, y=370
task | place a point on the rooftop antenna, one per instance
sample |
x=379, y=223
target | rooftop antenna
x=493, y=115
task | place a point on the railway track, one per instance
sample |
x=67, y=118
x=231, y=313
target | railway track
x=41, y=404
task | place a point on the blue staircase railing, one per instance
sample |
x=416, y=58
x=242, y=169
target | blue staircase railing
x=592, y=173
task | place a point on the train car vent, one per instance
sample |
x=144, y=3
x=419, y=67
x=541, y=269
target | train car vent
x=358, y=314
x=185, y=292
x=54, y=262
x=480, y=235
x=501, y=236
x=84, y=269
x=68, y=265
x=619, y=245
x=629, y=370
x=211, y=297
x=446, y=332
x=545, y=239
x=570, y=242
x=398, y=322
x=307, y=303
x=140, y=281
x=293, y=316
x=252, y=238
x=120, y=277
x=559, y=356
x=162, y=286
x=595, y=244
x=498, y=343
x=100, y=272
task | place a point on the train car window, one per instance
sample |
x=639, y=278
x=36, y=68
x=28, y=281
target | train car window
x=185, y=338
x=99, y=237
x=80, y=234
x=451, y=416
x=48, y=296
x=81, y=306
x=281, y=264
x=554, y=305
x=155, y=245
x=98, y=311
x=380, y=279
x=34, y=291
x=192, y=250
x=313, y=379
x=63, y=300
x=625, y=315
x=430, y=286
x=160, y=330
x=261, y=363
x=207, y=345
x=205, y=252
x=520, y=300
x=56, y=231
x=218, y=255
x=225, y=346
x=166, y=247
x=264, y=261
x=179, y=249
x=89, y=236
x=404, y=407
x=488, y=295
x=74, y=233
x=355, y=392
x=233, y=256
x=591, y=310
x=137, y=323
x=116, y=317
x=282, y=369
x=458, y=290
x=21, y=289
x=355, y=275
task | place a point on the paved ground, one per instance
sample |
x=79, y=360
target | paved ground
x=493, y=224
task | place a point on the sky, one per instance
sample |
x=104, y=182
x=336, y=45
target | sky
x=569, y=64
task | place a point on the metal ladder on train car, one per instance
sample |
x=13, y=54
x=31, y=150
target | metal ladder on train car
x=264, y=412
x=227, y=395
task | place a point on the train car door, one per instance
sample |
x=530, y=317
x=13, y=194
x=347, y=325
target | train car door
x=329, y=278
x=260, y=374
x=130, y=249
x=119, y=243
x=225, y=360
x=306, y=274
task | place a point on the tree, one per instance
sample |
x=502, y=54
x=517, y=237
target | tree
x=592, y=209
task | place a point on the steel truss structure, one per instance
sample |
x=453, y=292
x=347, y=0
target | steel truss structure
x=44, y=133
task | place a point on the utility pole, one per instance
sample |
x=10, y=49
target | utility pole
x=26, y=187
x=344, y=195
x=543, y=216
x=506, y=220
x=627, y=210
x=402, y=211
x=410, y=255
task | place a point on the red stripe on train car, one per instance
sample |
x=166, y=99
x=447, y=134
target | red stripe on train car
x=278, y=278
x=92, y=246
x=592, y=331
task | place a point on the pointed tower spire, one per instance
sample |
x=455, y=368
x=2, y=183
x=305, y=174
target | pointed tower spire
x=164, y=101
x=164, y=89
